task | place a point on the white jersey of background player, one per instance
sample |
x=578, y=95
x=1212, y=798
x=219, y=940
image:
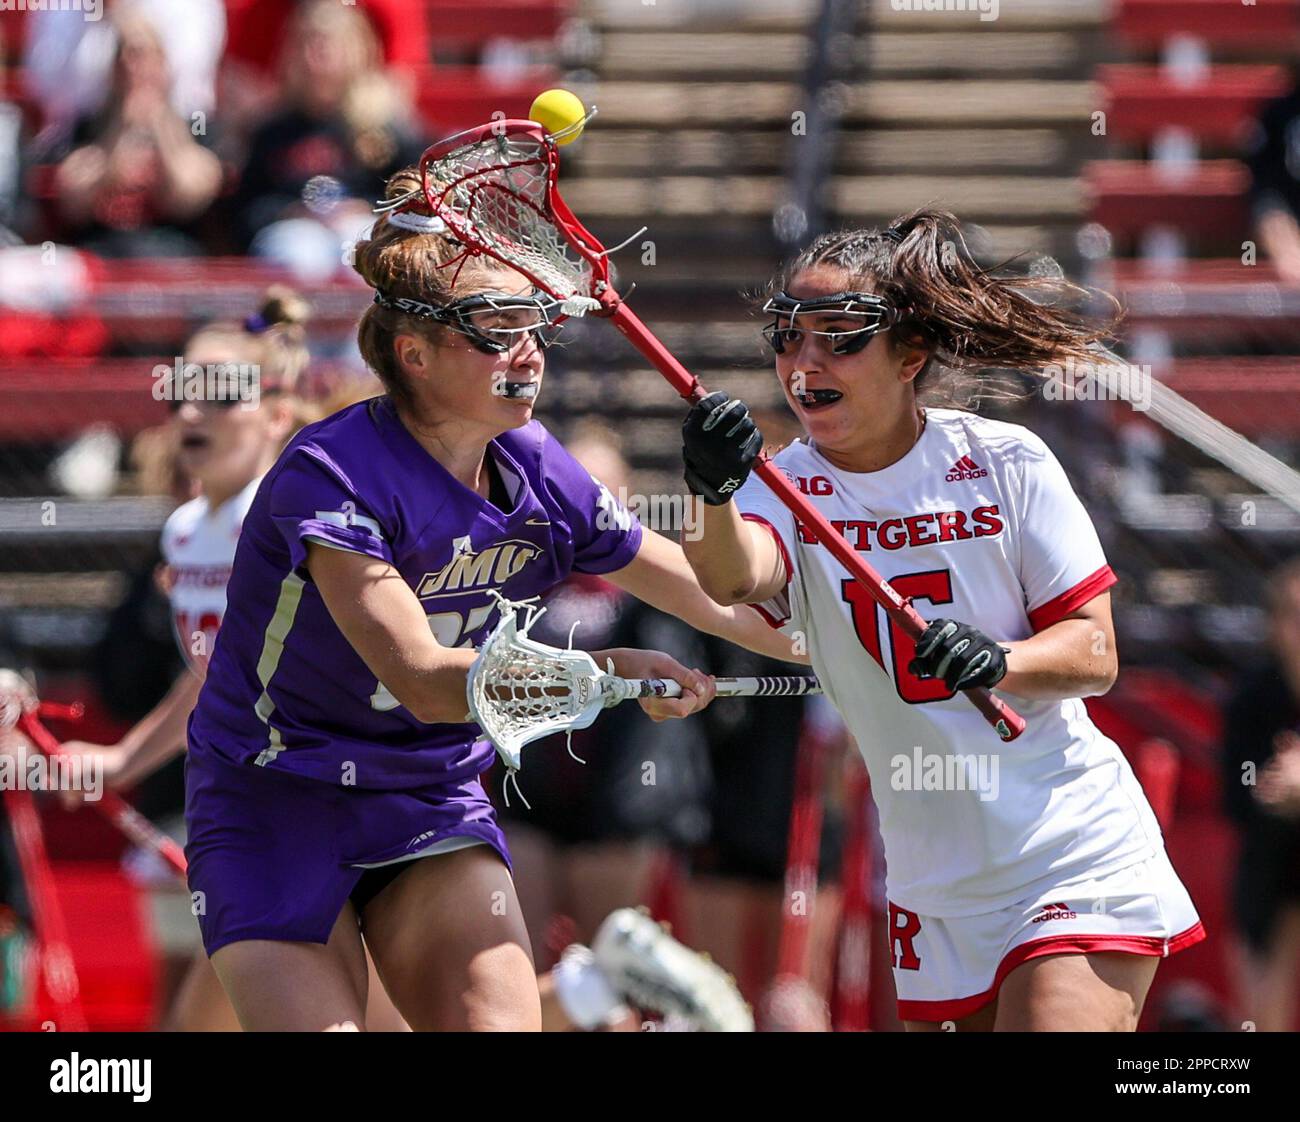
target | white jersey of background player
x=198, y=545
x=1003, y=859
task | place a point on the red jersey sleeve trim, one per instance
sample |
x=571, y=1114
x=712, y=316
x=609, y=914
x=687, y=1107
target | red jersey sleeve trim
x=1072, y=600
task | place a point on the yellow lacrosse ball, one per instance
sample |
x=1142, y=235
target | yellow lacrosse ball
x=556, y=110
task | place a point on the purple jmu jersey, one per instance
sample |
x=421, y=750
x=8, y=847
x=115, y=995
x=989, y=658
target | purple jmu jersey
x=284, y=688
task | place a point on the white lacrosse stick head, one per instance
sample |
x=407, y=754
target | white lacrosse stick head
x=520, y=690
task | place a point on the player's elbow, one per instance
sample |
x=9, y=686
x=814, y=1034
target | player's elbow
x=427, y=712
x=1103, y=678
x=728, y=593
x=440, y=712
x=431, y=700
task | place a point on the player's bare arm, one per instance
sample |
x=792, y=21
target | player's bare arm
x=382, y=619
x=158, y=737
x=384, y=622
x=663, y=576
x=1075, y=657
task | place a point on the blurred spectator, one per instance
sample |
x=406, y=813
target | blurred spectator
x=314, y=169
x=136, y=173
x=44, y=303
x=1274, y=159
x=69, y=59
x=258, y=29
x=1261, y=784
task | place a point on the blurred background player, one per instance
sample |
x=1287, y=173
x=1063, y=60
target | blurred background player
x=595, y=835
x=736, y=900
x=1261, y=791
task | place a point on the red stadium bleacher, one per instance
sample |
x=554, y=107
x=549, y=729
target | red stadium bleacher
x=1142, y=100
x=1215, y=301
x=1256, y=396
x=1205, y=199
x=110, y=938
x=54, y=400
x=463, y=96
x=469, y=22
x=1264, y=24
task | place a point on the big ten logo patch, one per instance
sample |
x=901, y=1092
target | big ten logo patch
x=814, y=485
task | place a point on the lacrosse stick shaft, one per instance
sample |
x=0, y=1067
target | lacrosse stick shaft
x=803, y=846
x=851, y=1004
x=1006, y=721
x=1208, y=434
x=58, y=969
x=777, y=686
x=112, y=806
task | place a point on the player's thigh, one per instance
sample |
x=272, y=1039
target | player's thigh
x=1266, y=978
x=1099, y=992
x=381, y=1013
x=539, y=886
x=982, y=1020
x=297, y=987
x=738, y=924
x=201, y=1004
x=450, y=944
x=604, y=876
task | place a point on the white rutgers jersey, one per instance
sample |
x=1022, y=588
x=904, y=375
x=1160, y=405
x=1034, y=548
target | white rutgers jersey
x=977, y=523
x=198, y=545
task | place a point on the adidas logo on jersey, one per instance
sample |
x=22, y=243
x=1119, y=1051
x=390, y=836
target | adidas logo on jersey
x=964, y=468
x=1055, y=911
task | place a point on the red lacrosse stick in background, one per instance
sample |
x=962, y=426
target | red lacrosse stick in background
x=111, y=805
x=495, y=188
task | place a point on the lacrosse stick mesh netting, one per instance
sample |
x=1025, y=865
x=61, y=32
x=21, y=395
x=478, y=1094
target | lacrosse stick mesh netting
x=499, y=185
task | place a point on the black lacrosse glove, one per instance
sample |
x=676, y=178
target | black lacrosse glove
x=959, y=654
x=719, y=444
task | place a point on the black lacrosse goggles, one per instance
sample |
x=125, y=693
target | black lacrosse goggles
x=492, y=321
x=873, y=313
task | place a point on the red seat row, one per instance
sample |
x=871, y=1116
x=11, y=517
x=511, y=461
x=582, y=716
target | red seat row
x=1267, y=24
x=1142, y=100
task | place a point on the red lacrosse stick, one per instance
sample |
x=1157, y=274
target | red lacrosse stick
x=58, y=970
x=851, y=1001
x=495, y=188
x=791, y=1003
x=112, y=806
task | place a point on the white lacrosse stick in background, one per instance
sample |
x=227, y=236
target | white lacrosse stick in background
x=520, y=690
